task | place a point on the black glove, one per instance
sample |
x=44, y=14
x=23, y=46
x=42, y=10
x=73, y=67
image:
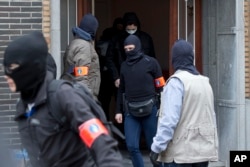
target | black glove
x=153, y=157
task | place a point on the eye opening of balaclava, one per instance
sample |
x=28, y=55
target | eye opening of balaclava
x=183, y=57
x=136, y=53
x=30, y=53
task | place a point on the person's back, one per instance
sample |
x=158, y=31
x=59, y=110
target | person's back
x=187, y=130
x=198, y=118
x=80, y=58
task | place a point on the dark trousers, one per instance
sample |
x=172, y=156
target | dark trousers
x=173, y=164
x=133, y=127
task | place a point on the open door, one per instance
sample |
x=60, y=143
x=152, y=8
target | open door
x=185, y=23
x=83, y=7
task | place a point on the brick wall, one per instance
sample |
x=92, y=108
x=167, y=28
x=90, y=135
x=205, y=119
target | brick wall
x=46, y=20
x=16, y=18
x=247, y=47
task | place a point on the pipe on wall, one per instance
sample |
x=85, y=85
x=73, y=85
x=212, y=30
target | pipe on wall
x=56, y=34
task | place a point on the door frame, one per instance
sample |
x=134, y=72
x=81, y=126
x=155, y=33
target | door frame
x=173, y=32
x=83, y=7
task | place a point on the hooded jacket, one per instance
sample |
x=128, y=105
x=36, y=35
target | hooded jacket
x=115, y=53
x=81, y=53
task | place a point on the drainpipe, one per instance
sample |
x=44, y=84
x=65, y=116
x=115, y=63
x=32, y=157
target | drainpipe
x=55, y=34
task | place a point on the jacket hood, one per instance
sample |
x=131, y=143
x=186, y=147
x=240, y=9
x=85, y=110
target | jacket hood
x=131, y=18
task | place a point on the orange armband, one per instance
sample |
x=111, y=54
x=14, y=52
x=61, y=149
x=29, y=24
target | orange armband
x=81, y=71
x=159, y=82
x=91, y=130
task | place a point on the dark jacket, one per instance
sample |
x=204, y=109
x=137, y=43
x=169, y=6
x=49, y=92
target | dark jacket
x=51, y=145
x=138, y=81
x=116, y=55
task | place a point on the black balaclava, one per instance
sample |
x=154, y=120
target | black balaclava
x=183, y=57
x=131, y=18
x=30, y=53
x=135, y=54
x=89, y=24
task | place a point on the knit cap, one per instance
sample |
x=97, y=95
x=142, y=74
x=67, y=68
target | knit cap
x=89, y=24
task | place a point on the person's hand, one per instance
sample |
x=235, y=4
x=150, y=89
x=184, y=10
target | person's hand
x=153, y=158
x=118, y=118
x=117, y=83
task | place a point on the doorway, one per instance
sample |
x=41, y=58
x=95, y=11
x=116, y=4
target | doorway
x=165, y=21
x=154, y=18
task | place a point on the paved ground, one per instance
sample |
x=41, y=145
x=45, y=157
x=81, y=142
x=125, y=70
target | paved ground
x=128, y=163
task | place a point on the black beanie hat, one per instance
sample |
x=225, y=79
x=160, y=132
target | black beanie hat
x=30, y=53
x=131, y=18
x=183, y=56
x=89, y=24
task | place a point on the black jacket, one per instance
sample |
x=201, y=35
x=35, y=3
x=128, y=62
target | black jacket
x=137, y=81
x=116, y=54
x=51, y=145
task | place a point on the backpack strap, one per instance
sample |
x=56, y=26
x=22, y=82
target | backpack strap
x=86, y=95
x=54, y=107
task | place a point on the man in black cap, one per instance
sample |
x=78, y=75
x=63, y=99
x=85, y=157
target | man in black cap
x=82, y=141
x=80, y=59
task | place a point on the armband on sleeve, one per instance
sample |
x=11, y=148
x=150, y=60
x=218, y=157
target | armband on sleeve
x=78, y=71
x=81, y=71
x=91, y=130
x=159, y=82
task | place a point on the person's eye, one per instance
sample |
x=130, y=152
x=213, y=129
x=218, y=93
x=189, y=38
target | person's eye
x=10, y=68
x=14, y=66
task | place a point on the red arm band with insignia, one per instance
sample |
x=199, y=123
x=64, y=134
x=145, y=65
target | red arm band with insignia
x=81, y=71
x=91, y=130
x=159, y=82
